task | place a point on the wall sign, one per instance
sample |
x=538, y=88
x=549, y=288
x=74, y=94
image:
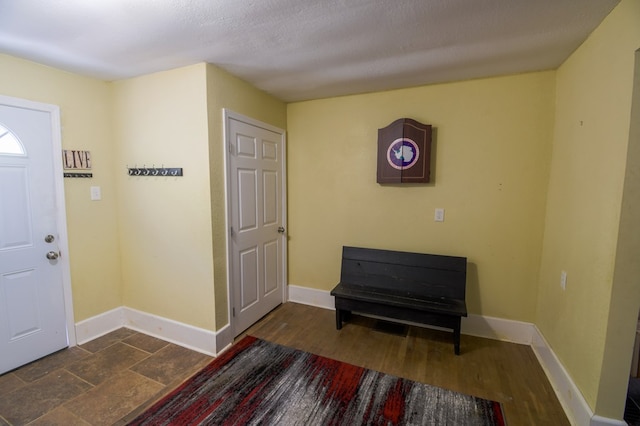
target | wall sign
x=76, y=159
x=404, y=152
x=73, y=161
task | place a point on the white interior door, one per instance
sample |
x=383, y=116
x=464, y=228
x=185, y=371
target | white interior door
x=32, y=297
x=257, y=257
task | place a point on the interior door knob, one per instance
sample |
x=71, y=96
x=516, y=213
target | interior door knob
x=280, y=230
x=52, y=255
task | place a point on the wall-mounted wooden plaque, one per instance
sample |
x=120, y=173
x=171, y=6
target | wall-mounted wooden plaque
x=404, y=152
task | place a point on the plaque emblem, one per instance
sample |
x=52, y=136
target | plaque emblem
x=404, y=152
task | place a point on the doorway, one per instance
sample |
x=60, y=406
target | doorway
x=36, y=315
x=256, y=200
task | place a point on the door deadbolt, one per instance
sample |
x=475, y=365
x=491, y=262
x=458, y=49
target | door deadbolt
x=49, y=238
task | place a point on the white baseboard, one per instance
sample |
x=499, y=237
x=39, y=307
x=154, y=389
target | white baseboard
x=575, y=406
x=200, y=340
x=604, y=421
x=573, y=403
x=497, y=329
x=311, y=296
x=99, y=325
x=185, y=335
x=224, y=338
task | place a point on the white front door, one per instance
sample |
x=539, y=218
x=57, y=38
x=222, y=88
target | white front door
x=257, y=258
x=32, y=298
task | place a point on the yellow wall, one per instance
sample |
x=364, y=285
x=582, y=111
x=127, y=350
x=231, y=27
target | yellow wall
x=492, y=149
x=149, y=243
x=173, y=232
x=165, y=227
x=593, y=105
x=86, y=125
x=625, y=295
x=227, y=91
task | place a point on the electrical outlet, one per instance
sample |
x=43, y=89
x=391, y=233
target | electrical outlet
x=439, y=216
x=563, y=280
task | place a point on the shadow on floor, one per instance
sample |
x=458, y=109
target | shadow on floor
x=632, y=406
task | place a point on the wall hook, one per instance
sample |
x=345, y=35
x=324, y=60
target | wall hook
x=154, y=171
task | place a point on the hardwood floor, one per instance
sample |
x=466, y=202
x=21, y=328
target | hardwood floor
x=500, y=371
x=113, y=378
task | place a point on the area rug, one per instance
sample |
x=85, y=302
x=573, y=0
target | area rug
x=261, y=383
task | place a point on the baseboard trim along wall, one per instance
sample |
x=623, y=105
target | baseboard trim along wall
x=98, y=326
x=574, y=404
x=185, y=335
x=570, y=397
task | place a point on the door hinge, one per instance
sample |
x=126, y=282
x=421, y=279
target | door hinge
x=232, y=233
x=233, y=312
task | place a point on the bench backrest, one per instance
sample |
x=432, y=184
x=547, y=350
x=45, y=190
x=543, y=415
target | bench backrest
x=414, y=273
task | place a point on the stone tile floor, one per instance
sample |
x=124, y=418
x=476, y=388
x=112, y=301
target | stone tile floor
x=106, y=381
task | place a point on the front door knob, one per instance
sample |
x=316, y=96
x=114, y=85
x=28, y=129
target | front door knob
x=52, y=255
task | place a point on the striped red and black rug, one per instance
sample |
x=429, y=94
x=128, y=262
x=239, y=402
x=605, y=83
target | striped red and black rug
x=256, y=382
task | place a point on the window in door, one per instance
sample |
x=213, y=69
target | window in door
x=9, y=143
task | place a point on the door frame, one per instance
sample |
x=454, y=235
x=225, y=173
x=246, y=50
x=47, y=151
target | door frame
x=227, y=116
x=61, y=212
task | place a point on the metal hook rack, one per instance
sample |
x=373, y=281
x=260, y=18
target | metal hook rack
x=155, y=171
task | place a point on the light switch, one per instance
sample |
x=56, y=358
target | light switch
x=439, y=216
x=96, y=194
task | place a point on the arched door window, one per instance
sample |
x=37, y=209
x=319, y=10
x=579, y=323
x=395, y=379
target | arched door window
x=9, y=143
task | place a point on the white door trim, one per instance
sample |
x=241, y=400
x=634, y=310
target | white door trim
x=63, y=244
x=227, y=116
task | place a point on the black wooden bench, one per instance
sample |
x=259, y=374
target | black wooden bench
x=412, y=287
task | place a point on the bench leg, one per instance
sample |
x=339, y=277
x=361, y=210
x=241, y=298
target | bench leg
x=456, y=338
x=342, y=316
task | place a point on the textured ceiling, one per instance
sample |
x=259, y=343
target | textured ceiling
x=302, y=49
